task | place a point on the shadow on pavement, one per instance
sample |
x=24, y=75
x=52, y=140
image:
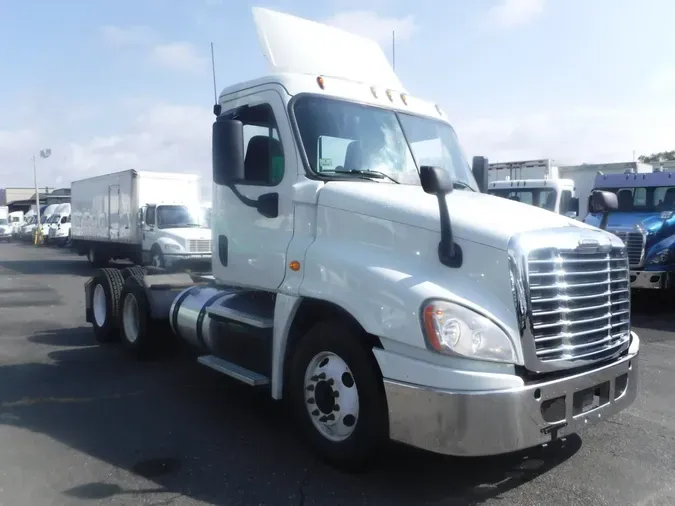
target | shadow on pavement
x=189, y=431
x=59, y=265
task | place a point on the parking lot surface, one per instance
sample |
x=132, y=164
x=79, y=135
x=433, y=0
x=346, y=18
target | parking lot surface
x=82, y=423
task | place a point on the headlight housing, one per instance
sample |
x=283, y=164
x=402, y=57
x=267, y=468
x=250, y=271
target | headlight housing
x=452, y=329
x=172, y=246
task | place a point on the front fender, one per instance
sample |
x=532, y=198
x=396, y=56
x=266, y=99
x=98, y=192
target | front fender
x=382, y=272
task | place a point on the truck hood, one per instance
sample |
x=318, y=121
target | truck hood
x=187, y=233
x=475, y=217
x=651, y=222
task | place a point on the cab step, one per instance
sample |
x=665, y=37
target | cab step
x=235, y=371
x=252, y=308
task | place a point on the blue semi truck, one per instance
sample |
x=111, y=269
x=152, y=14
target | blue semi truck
x=645, y=221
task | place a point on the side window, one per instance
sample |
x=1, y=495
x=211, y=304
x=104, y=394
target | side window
x=150, y=216
x=565, y=197
x=263, y=153
x=65, y=219
x=640, y=197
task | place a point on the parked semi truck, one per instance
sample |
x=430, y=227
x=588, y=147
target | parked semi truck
x=645, y=222
x=151, y=218
x=556, y=195
x=360, y=272
x=60, y=225
x=5, y=225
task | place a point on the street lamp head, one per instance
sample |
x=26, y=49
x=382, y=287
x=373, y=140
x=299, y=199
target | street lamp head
x=44, y=153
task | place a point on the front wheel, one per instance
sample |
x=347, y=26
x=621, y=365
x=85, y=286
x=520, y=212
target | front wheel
x=337, y=394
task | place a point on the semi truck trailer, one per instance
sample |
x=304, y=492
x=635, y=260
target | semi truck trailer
x=150, y=218
x=362, y=274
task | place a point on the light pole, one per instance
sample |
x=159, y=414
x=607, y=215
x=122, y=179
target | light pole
x=44, y=153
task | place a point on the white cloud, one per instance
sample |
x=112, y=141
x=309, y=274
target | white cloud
x=165, y=137
x=178, y=56
x=371, y=25
x=129, y=36
x=571, y=136
x=513, y=13
x=182, y=56
x=663, y=81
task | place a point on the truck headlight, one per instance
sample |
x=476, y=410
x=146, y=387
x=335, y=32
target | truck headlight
x=172, y=246
x=456, y=330
x=662, y=257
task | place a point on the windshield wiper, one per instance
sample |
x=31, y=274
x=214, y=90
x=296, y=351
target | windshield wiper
x=363, y=173
x=462, y=185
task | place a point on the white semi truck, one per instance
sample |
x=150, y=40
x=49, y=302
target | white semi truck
x=5, y=224
x=360, y=272
x=151, y=218
x=534, y=182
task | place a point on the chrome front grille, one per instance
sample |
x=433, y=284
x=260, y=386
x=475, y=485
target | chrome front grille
x=579, y=304
x=635, y=244
x=199, y=245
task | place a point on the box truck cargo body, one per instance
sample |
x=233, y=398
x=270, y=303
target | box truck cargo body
x=146, y=217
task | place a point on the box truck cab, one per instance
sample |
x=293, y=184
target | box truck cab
x=45, y=219
x=645, y=222
x=360, y=273
x=151, y=218
x=556, y=195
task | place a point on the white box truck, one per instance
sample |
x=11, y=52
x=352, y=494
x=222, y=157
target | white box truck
x=427, y=312
x=150, y=218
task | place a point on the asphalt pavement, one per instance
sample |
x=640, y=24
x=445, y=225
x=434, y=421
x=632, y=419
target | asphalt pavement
x=84, y=424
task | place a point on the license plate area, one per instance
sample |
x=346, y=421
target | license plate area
x=591, y=398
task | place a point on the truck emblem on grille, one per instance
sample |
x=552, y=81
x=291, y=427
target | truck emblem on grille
x=589, y=243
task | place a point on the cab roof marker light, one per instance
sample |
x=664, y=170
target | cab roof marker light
x=404, y=98
x=390, y=95
x=320, y=82
x=438, y=109
x=373, y=90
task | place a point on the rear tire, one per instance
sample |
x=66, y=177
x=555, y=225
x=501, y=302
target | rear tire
x=105, y=299
x=334, y=363
x=135, y=323
x=134, y=270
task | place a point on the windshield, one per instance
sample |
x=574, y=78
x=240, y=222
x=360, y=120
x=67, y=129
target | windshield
x=43, y=219
x=54, y=218
x=176, y=217
x=645, y=200
x=3, y=221
x=354, y=140
x=538, y=197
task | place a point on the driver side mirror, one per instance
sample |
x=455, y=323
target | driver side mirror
x=228, y=151
x=480, y=167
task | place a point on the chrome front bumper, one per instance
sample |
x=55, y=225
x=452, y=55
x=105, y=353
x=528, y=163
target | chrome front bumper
x=479, y=423
x=651, y=280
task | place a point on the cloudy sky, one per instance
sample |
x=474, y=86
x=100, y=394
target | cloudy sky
x=116, y=84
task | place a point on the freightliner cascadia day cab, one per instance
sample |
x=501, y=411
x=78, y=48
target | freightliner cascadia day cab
x=645, y=221
x=150, y=218
x=360, y=274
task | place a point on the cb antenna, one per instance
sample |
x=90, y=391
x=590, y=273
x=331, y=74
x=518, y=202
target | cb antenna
x=216, y=106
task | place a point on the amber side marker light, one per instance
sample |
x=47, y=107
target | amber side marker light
x=320, y=82
x=294, y=266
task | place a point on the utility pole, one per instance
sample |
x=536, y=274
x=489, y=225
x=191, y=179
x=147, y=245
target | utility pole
x=44, y=153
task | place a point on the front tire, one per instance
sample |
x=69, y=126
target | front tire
x=104, y=303
x=337, y=394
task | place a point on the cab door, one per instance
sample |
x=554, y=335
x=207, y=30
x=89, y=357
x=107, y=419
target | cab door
x=250, y=245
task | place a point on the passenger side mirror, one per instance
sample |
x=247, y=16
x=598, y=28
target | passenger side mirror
x=228, y=151
x=435, y=181
x=604, y=202
x=480, y=168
